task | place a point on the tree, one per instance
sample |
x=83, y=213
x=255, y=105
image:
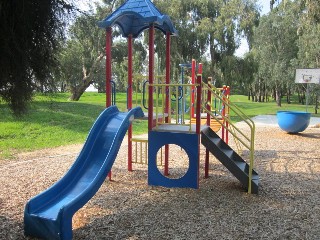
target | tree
x=309, y=39
x=275, y=44
x=309, y=34
x=30, y=32
x=212, y=28
x=82, y=58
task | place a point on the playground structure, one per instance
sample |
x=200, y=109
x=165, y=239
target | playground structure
x=293, y=121
x=49, y=214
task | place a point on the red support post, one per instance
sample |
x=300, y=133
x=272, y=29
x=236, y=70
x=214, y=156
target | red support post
x=151, y=76
x=198, y=108
x=208, y=106
x=129, y=103
x=166, y=148
x=206, y=167
x=200, y=68
x=198, y=115
x=193, y=81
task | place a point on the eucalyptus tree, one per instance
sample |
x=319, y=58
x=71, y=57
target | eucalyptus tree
x=82, y=59
x=210, y=28
x=309, y=34
x=30, y=33
x=276, y=46
x=309, y=40
x=81, y=55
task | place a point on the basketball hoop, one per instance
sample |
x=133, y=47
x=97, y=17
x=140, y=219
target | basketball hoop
x=307, y=78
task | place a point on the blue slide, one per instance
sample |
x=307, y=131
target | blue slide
x=49, y=214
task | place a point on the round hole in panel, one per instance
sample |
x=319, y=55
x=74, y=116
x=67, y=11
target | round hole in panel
x=178, y=161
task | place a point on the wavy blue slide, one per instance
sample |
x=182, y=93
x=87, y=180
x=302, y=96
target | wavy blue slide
x=49, y=214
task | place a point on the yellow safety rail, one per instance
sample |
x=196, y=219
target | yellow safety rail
x=140, y=156
x=246, y=141
x=178, y=94
x=215, y=102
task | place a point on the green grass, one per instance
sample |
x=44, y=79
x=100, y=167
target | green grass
x=54, y=121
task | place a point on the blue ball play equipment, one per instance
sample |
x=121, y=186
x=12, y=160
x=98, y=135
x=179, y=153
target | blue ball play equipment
x=293, y=121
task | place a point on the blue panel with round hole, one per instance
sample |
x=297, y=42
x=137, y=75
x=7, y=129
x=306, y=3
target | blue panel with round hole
x=187, y=141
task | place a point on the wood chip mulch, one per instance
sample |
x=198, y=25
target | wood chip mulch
x=287, y=206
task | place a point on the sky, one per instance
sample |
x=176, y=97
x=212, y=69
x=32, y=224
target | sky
x=265, y=8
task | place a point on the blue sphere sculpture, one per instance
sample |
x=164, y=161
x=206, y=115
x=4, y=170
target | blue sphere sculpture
x=293, y=121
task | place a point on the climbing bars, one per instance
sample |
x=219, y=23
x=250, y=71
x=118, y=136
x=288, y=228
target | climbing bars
x=180, y=97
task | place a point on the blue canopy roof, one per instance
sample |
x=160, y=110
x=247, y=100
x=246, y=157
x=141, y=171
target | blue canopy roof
x=134, y=16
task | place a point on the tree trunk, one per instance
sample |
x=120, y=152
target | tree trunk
x=278, y=96
x=249, y=92
x=213, y=60
x=288, y=96
x=76, y=92
x=317, y=104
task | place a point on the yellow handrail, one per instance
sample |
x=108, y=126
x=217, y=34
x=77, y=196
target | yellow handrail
x=244, y=117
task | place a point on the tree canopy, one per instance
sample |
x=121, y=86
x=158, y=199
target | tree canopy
x=35, y=54
x=30, y=34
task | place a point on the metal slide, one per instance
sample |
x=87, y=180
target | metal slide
x=49, y=214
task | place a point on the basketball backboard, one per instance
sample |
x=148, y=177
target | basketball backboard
x=308, y=75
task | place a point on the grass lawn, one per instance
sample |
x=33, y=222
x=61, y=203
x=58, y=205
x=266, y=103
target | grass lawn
x=54, y=121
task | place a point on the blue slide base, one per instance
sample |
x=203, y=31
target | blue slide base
x=49, y=214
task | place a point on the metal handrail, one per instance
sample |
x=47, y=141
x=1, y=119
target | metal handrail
x=113, y=92
x=144, y=93
x=243, y=117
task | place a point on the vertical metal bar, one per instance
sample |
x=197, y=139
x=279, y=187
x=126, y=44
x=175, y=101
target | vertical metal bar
x=151, y=76
x=223, y=113
x=146, y=152
x=129, y=103
x=168, y=100
x=136, y=150
x=206, y=167
x=157, y=105
x=177, y=104
x=183, y=103
x=140, y=152
x=191, y=105
x=227, y=113
x=168, y=50
x=198, y=109
x=193, y=81
x=108, y=71
x=169, y=93
x=200, y=68
x=108, y=65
